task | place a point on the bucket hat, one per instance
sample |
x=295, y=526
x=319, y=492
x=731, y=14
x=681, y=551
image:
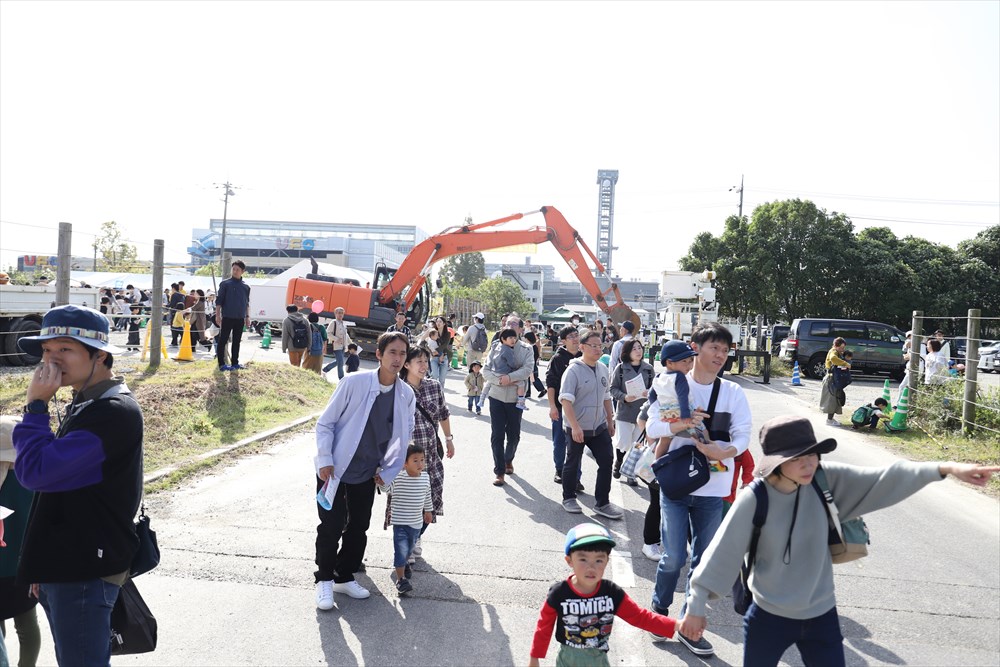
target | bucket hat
x=676, y=350
x=784, y=438
x=86, y=325
x=585, y=534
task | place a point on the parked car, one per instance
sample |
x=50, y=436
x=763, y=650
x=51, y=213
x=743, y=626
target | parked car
x=877, y=347
x=989, y=357
x=779, y=332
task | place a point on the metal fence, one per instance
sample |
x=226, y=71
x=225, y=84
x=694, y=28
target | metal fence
x=959, y=394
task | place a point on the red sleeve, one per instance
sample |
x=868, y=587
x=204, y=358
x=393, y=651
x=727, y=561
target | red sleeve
x=747, y=460
x=643, y=618
x=543, y=631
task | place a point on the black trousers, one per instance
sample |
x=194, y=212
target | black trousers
x=601, y=447
x=505, y=422
x=342, y=533
x=234, y=326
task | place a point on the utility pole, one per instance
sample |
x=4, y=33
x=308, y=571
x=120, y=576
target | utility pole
x=225, y=210
x=740, y=190
x=65, y=258
x=155, y=324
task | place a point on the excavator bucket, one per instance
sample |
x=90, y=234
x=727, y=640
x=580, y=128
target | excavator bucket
x=620, y=312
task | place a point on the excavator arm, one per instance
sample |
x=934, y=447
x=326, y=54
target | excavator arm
x=413, y=272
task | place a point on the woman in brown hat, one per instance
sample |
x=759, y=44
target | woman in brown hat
x=792, y=577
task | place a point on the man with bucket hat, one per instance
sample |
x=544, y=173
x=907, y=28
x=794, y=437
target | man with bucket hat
x=87, y=476
x=792, y=577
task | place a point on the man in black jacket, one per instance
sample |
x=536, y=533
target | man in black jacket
x=80, y=540
x=569, y=350
x=232, y=313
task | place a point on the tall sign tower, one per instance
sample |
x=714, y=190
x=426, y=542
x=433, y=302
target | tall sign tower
x=606, y=180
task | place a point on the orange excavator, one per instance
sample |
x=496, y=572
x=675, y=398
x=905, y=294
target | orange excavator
x=405, y=289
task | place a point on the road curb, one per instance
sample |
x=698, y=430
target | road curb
x=163, y=472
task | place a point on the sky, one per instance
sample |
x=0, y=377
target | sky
x=425, y=112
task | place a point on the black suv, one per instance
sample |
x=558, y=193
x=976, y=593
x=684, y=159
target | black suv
x=877, y=347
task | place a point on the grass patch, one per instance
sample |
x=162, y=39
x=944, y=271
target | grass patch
x=935, y=432
x=190, y=409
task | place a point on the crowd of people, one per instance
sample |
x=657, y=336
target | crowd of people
x=390, y=428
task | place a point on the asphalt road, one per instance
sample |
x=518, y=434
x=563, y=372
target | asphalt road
x=235, y=584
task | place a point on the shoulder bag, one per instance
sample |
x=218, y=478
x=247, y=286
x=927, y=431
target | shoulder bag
x=437, y=438
x=685, y=469
x=848, y=540
x=148, y=555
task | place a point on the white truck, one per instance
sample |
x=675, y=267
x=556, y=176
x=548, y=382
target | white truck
x=21, y=310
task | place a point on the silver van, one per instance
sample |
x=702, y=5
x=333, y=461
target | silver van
x=877, y=347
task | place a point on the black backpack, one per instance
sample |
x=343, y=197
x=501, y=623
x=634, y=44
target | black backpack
x=300, y=334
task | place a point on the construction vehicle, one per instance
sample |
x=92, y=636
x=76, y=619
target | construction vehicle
x=21, y=310
x=406, y=289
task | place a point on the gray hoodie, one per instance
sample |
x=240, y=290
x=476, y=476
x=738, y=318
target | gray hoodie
x=586, y=387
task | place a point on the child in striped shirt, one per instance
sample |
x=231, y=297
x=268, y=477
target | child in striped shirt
x=410, y=508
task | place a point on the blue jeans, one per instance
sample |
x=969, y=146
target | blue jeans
x=505, y=423
x=338, y=361
x=703, y=515
x=79, y=614
x=403, y=540
x=766, y=636
x=474, y=402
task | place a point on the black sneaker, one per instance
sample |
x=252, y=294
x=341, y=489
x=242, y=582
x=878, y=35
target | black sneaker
x=407, y=572
x=696, y=646
x=403, y=586
x=557, y=479
x=579, y=487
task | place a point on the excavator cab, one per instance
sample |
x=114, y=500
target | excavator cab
x=418, y=310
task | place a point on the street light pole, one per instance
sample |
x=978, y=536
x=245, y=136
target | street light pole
x=225, y=211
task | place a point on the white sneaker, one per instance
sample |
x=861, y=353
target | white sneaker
x=324, y=595
x=652, y=551
x=832, y=422
x=352, y=589
x=418, y=549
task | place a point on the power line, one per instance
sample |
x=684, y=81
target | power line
x=943, y=202
x=920, y=222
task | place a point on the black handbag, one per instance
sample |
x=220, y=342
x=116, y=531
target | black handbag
x=742, y=595
x=148, y=555
x=133, y=626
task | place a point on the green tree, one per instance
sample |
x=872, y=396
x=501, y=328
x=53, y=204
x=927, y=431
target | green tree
x=499, y=297
x=466, y=270
x=980, y=270
x=114, y=251
x=799, y=247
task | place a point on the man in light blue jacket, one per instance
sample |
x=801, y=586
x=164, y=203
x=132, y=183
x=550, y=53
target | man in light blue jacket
x=361, y=441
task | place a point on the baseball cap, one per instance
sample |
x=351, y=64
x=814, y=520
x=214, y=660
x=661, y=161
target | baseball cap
x=676, y=350
x=585, y=534
x=479, y=316
x=628, y=326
